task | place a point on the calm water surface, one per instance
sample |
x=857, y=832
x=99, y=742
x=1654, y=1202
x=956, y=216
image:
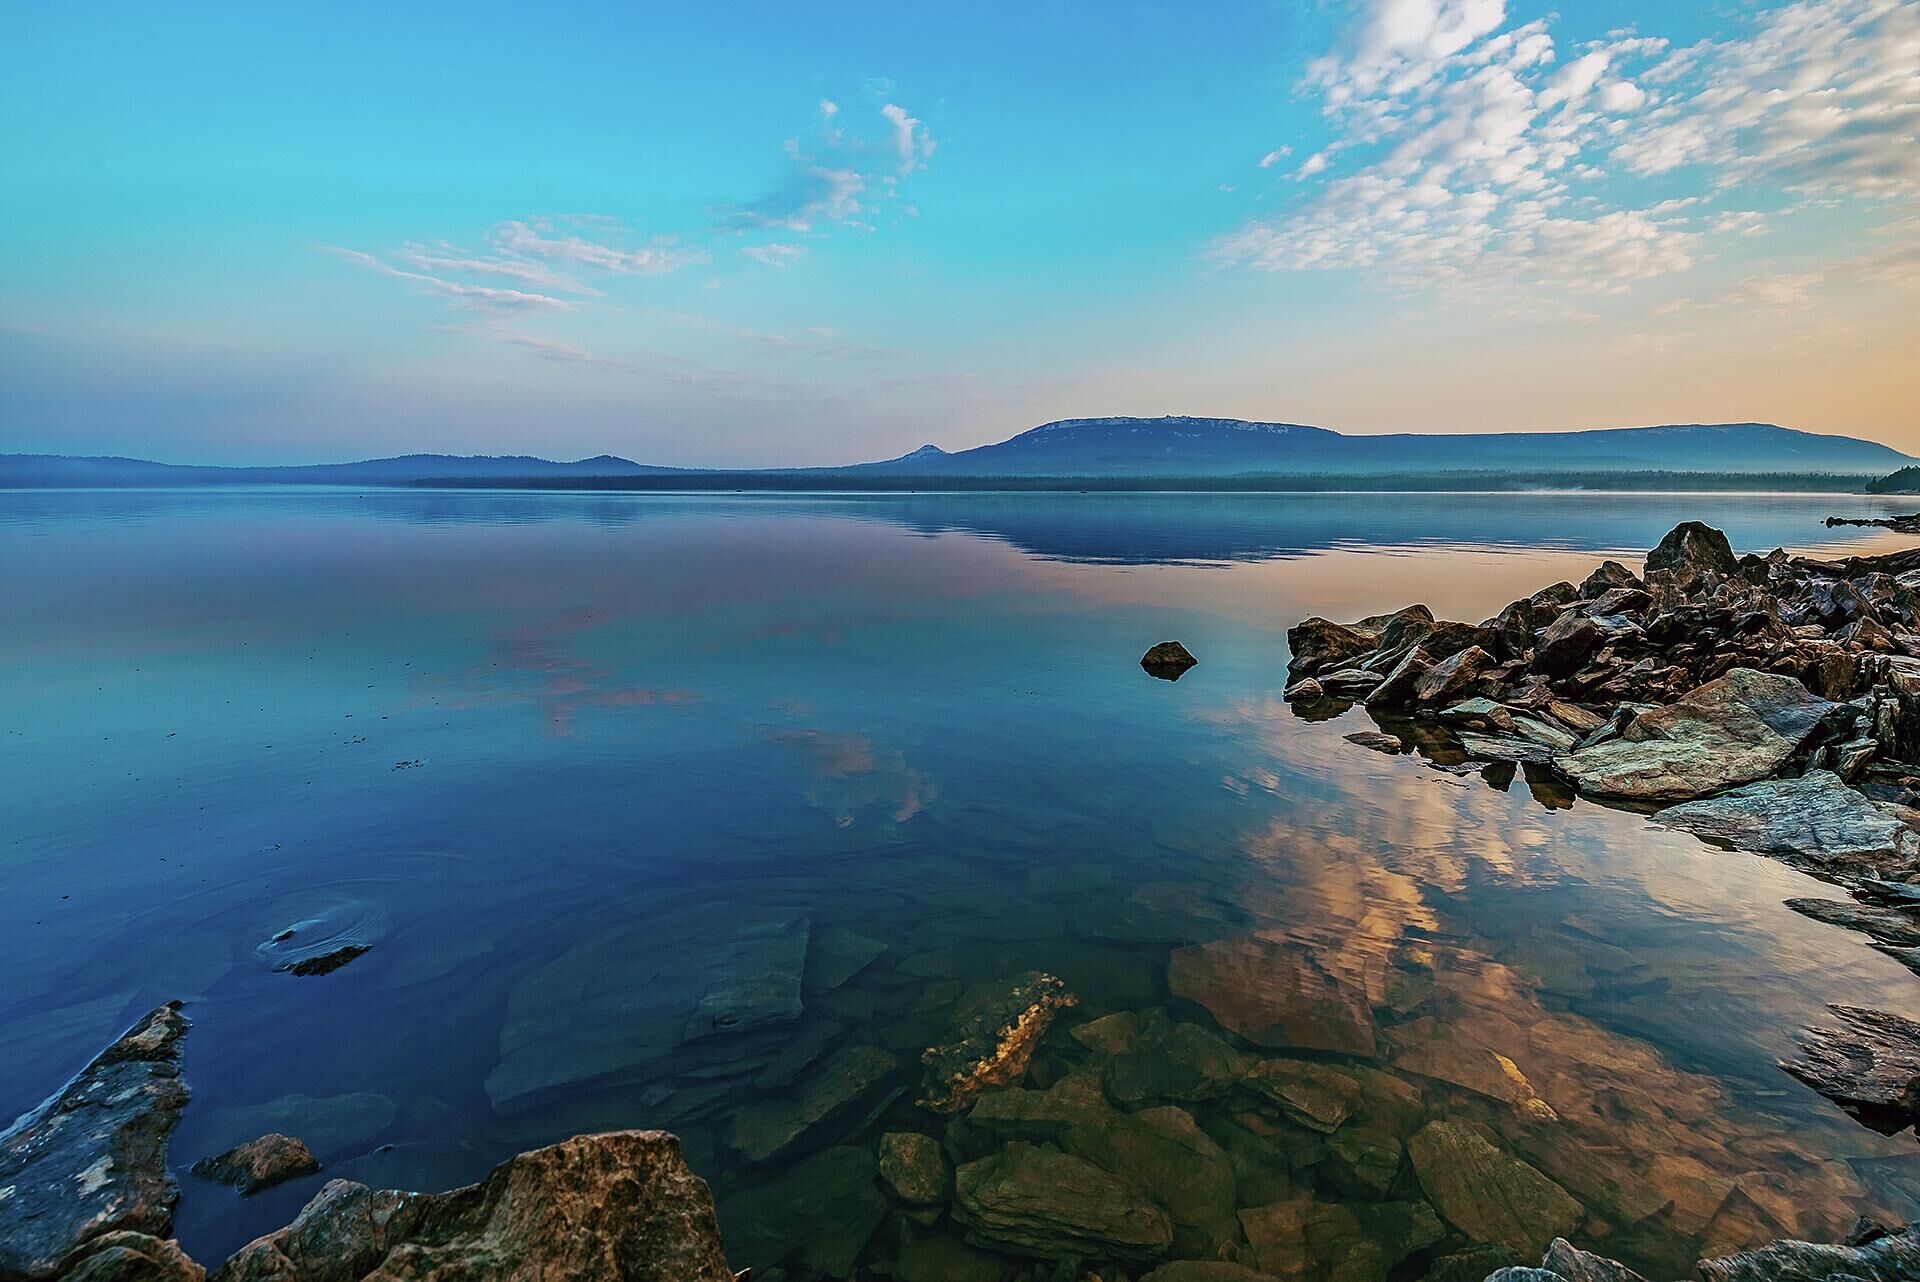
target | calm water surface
x=570, y=764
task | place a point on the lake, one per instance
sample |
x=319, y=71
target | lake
x=585, y=774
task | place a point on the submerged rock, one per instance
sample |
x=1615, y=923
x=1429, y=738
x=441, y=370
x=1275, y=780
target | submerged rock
x=1487, y=1194
x=1034, y=1201
x=818, y=1215
x=914, y=1169
x=1317, y=1096
x=259, y=1164
x=597, y=1208
x=724, y=983
x=1169, y=661
x=326, y=963
x=1274, y=994
x=1742, y=727
x=1871, y=1067
x=836, y=1088
x=1362, y=1242
x=91, y=1161
x=1814, y=819
x=995, y=1031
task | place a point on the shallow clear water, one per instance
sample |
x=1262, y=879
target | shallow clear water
x=552, y=757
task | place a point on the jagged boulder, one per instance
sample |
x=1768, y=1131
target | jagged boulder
x=1168, y=660
x=1894, y=1257
x=1690, y=548
x=91, y=1162
x=995, y=1030
x=1318, y=644
x=1871, y=1067
x=259, y=1164
x=616, y=1207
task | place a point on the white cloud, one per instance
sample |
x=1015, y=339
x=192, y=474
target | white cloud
x=484, y=298
x=1469, y=154
x=838, y=175
x=548, y=349
x=1275, y=156
x=543, y=238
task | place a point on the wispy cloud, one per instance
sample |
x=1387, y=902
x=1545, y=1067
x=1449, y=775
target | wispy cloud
x=1469, y=155
x=549, y=349
x=775, y=254
x=838, y=174
x=486, y=298
x=818, y=340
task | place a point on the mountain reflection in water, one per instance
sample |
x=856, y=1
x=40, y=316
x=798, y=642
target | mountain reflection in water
x=723, y=807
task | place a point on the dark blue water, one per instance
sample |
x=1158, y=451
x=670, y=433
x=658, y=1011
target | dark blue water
x=553, y=758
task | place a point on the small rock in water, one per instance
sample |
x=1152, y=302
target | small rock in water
x=326, y=963
x=1037, y=1201
x=1378, y=740
x=914, y=1169
x=1169, y=661
x=259, y=1164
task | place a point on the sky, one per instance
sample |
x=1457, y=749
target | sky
x=772, y=234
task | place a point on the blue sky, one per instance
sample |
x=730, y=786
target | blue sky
x=780, y=234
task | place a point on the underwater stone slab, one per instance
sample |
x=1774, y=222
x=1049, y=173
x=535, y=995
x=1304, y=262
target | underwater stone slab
x=714, y=982
x=819, y=1213
x=1487, y=1194
x=1033, y=1201
x=831, y=1091
x=1274, y=994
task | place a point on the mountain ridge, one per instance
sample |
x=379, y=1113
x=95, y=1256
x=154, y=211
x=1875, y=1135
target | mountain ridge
x=1110, y=447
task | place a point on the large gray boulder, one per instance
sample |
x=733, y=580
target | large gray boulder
x=1815, y=820
x=616, y=1207
x=91, y=1162
x=1745, y=726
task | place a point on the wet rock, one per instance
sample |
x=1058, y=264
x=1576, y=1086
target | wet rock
x=326, y=963
x=1318, y=644
x=1377, y=740
x=1274, y=994
x=840, y=1085
x=1887, y=925
x=1545, y=733
x=1871, y=1067
x=1169, y=661
x=1895, y=1258
x=1178, y=1167
x=817, y=1215
x=1350, y=682
x=1611, y=576
x=1432, y=1050
x=996, y=1028
x=914, y=1169
x=259, y=1164
x=1315, y=1095
x=724, y=983
x=1744, y=726
x=1512, y=630
x=1396, y=690
x=132, y=1257
x=1033, y=1201
x=92, y=1159
x=598, y=1208
x=1073, y=1106
x=1474, y=1264
x=1362, y=1242
x=1815, y=820
x=1493, y=747
x=1171, y=1060
x=942, y=1257
x=1691, y=549
x=811, y=1039
x=1487, y=1194
x=1305, y=690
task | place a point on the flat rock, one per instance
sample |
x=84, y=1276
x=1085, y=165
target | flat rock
x=259, y=1164
x=596, y=1208
x=1815, y=819
x=1871, y=1067
x=1487, y=1194
x=835, y=955
x=1493, y=747
x=92, y=1159
x=1033, y=1201
x=1742, y=727
x=1317, y=1096
x=1377, y=740
x=1274, y=994
x=837, y=1087
x=995, y=1030
x=1169, y=1060
x=714, y=981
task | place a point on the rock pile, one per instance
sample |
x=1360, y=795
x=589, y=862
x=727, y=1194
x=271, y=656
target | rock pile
x=1768, y=703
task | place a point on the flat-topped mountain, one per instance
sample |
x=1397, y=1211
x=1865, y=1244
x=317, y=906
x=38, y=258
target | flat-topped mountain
x=1227, y=446
x=1126, y=448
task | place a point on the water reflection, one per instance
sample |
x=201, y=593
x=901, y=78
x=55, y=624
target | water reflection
x=723, y=808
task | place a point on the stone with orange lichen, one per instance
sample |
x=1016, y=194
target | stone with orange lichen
x=995, y=1031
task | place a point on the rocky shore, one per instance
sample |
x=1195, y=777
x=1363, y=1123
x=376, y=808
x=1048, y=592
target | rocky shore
x=1766, y=703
